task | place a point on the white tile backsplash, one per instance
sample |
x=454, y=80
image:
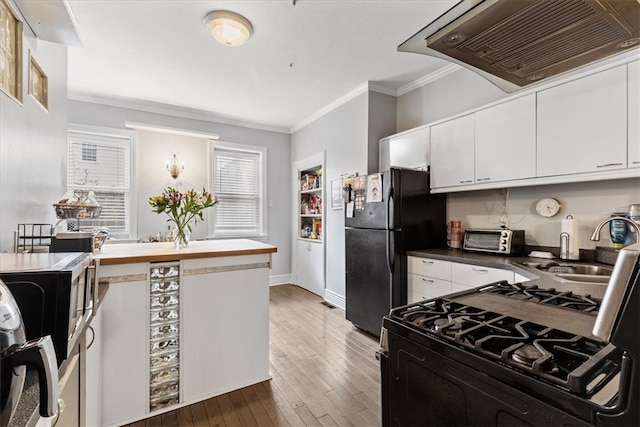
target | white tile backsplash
x=589, y=203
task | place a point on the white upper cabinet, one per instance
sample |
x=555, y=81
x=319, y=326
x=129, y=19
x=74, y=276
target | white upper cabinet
x=505, y=146
x=408, y=149
x=634, y=114
x=452, y=152
x=582, y=125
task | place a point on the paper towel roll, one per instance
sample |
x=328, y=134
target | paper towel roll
x=569, y=230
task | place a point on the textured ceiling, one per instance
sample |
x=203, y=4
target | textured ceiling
x=157, y=55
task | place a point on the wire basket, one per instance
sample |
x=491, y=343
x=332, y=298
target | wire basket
x=76, y=211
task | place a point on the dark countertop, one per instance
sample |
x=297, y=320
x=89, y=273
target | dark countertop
x=517, y=264
x=27, y=412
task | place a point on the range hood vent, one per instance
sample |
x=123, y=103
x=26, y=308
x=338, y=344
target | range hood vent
x=514, y=43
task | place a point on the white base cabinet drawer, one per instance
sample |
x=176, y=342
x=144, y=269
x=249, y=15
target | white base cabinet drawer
x=476, y=275
x=421, y=288
x=429, y=267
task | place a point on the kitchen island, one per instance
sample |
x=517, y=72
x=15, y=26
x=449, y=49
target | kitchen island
x=178, y=326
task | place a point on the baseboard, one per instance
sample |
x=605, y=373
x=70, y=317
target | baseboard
x=281, y=279
x=335, y=299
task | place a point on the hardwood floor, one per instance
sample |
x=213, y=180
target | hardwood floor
x=324, y=374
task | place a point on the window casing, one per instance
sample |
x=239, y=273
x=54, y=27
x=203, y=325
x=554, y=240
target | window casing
x=10, y=52
x=238, y=180
x=102, y=163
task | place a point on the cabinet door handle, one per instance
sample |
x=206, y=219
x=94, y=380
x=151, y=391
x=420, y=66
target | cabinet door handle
x=466, y=181
x=427, y=262
x=480, y=270
x=427, y=280
x=483, y=179
x=636, y=162
x=609, y=165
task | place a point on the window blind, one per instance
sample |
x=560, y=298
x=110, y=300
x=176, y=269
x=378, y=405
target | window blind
x=236, y=184
x=102, y=164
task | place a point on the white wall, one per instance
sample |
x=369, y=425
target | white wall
x=350, y=135
x=454, y=93
x=588, y=202
x=154, y=149
x=343, y=134
x=33, y=144
x=382, y=122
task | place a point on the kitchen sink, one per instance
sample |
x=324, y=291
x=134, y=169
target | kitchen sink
x=575, y=272
x=578, y=269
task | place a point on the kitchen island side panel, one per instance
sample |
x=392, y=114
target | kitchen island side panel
x=225, y=325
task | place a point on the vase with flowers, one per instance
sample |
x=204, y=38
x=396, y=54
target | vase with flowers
x=182, y=209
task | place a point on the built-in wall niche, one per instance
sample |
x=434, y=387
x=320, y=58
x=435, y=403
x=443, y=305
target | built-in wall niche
x=38, y=83
x=10, y=52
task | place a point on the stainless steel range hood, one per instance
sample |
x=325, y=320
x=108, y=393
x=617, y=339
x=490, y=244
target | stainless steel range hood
x=514, y=43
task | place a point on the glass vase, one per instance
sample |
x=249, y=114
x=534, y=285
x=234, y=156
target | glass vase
x=181, y=237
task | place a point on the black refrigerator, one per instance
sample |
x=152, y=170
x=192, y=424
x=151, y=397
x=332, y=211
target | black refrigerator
x=377, y=239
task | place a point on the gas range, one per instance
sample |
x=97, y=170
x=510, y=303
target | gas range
x=515, y=354
x=549, y=342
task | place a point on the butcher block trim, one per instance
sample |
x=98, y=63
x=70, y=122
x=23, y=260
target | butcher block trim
x=124, y=278
x=129, y=253
x=207, y=270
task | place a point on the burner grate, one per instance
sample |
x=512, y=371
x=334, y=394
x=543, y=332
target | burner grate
x=579, y=364
x=532, y=293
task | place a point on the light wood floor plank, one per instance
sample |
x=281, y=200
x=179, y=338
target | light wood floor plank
x=199, y=415
x=324, y=373
x=214, y=413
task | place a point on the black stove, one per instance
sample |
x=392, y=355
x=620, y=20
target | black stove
x=515, y=354
x=563, y=358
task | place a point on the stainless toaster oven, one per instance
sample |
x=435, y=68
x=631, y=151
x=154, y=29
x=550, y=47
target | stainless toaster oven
x=498, y=241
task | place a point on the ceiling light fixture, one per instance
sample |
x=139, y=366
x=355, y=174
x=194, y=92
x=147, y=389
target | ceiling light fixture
x=228, y=28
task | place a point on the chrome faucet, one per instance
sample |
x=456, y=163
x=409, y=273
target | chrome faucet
x=596, y=234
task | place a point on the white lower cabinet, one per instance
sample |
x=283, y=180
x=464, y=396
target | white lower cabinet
x=421, y=288
x=125, y=340
x=432, y=278
x=310, y=265
x=427, y=278
x=466, y=276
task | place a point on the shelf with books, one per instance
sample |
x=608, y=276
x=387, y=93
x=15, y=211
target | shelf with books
x=310, y=203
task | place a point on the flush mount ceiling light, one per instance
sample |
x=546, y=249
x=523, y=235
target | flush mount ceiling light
x=228, y=28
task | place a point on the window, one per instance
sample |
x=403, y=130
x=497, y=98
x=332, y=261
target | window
x=102, y=163
x=238, y=181
x=10, y=52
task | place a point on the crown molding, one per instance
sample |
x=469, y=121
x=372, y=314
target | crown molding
x=330, y=107
x=170, y=110
x=429, y=78
x=190, y=113
x=368, y=86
